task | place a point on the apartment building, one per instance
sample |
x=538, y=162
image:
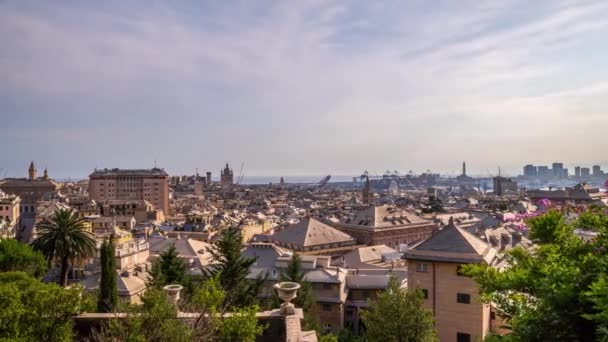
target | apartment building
x=119, y=184
x=434, y=266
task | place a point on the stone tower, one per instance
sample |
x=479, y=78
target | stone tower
x=45, y=175
x=226, y=176
x=367, y=191
x=32, y=171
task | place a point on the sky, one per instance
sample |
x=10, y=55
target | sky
x=302, y=87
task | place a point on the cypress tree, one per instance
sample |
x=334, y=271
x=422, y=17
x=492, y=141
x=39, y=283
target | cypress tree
x=108, y=294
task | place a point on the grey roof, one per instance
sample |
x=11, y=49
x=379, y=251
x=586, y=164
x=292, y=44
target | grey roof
x=367, y=256
x=453, y=244
x=367, y=282
x=186, y=248
x=311, y=232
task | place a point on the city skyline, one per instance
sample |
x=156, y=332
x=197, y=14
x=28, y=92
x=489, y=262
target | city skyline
x=301, y=88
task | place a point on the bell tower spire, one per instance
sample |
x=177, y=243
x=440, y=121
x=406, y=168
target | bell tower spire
x=32, y=171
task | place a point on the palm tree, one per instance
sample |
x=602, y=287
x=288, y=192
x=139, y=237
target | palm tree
x=64, y=239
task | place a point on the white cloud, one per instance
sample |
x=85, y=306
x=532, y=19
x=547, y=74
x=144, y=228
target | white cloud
x=359, y=81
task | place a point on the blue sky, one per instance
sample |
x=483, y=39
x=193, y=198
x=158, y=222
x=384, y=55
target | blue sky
x=302, y=87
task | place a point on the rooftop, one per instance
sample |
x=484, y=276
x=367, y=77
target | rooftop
x=384, y=216
x=453, y=244
x=128, y=172
x=311, y=232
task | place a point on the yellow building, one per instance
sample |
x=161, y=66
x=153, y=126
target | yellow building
x=9, y=215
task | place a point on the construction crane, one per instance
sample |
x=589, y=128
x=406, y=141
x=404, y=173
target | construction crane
x=241, y=174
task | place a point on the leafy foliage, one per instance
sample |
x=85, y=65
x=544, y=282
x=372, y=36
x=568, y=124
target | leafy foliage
x=556, y=292
x=232, y=269
x=157, y=319
x=33, y=311
x=398, y=315
x=63, y=238
x=16, y=256
x=550, y=227
x=108, y=293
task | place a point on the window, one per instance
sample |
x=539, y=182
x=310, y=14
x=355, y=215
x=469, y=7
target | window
x=492, y=315
x=327, y=327
x=326, y=286
x=425, y=292
x=422, y=267
x=326, y=307
x=463, y=298
x=462, y=337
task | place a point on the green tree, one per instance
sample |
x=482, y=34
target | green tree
x=232, y=269
x=557, y=291
x=398, y=315
x=306, y=298
x=108, y=293
x=549, y=227
x=215, y=323
x=33, y=311
x=16, y=256
x=63, y=238
x=155, y=320
x=170, y=269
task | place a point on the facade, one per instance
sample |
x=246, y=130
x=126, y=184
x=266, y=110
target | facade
x=108, y=223
x=597, y=171
x=453, y=298
x=120, y=184
x=585, y=173
x=558, y=170
x=141, y=210
x=9, y=216
x=530, y=171
x=386, y=225
x=226, y=176
x=503, y=185
x=31, y=189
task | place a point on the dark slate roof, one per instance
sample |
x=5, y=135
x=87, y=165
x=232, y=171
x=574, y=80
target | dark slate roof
x=453, y=244
x=311, y=232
